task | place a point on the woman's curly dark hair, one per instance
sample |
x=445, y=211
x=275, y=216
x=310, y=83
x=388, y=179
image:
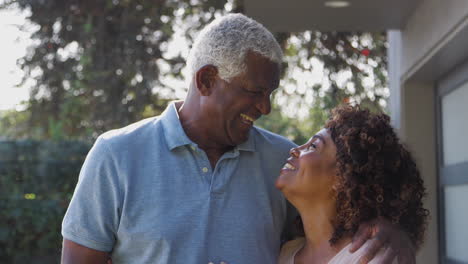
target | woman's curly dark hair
x=376, y=175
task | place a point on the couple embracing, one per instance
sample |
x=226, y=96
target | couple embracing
x=202, y=184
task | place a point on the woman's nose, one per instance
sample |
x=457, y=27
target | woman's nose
x=294, y=152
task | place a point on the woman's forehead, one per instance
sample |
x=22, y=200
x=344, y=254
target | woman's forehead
x=322, y=133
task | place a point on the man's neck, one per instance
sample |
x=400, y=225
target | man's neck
x=192, y=123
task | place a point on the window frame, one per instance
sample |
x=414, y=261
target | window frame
x=447, y=175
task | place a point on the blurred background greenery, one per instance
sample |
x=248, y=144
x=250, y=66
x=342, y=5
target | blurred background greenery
x=100, y=65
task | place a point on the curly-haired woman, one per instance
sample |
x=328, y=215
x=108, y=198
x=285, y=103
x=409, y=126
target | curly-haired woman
x=352, y=171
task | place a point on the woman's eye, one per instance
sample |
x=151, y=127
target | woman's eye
x=312, y=146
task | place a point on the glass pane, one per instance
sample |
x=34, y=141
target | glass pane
x=456, y=220
x=455, y=125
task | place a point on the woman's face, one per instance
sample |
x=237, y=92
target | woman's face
x=310, y=170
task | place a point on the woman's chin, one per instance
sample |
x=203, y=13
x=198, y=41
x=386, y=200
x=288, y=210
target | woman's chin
x=281, y=182
x=278, y=184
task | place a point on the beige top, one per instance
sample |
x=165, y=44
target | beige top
x=290, y=249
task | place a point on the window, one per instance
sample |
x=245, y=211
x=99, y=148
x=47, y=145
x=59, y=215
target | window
x=453, y=166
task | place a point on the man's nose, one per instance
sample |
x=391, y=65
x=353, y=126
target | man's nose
x=264, y=105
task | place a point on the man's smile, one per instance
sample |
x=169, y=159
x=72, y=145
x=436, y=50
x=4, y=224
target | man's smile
x=247, y=119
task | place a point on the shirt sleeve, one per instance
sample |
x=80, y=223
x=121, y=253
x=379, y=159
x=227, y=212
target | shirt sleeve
x=93, y=214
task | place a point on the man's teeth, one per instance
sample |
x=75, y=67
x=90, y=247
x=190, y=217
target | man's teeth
x=248, y=118
x=289, y=166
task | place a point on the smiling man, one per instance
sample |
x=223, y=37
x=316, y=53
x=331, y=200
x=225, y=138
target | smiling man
x=196, y=184
x=219, y=114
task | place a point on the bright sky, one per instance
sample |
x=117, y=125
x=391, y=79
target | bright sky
x=13, y=46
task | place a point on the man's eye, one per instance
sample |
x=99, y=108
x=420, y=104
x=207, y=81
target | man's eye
x=312, y=146
x=253, y=91
x=256, y=92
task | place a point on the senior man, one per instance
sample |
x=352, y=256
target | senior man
x=196, y=184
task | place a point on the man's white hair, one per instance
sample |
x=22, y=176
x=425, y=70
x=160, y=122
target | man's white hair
x=225, y=42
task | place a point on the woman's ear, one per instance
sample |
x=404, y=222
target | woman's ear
x=205, y=79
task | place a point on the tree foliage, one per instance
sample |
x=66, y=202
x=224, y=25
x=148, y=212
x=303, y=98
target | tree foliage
x=325, y=69
x=99, y=65
x=96, y=63
x=37, y=179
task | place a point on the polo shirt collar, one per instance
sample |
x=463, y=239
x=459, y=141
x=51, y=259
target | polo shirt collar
x=249, y=145
x=175, y=135
x=173, y=132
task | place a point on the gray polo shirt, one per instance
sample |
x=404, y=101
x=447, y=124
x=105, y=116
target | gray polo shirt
x=148, y=194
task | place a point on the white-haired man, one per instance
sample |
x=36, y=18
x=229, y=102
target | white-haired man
x=196, y=184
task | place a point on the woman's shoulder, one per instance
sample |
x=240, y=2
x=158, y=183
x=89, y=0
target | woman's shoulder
x=289, y=250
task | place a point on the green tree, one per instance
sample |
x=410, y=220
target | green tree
x=99, y=65
x=354, y=71
x=96, y=64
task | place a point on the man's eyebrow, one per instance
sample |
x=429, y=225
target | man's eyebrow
x=263, y=88
x=319, y=137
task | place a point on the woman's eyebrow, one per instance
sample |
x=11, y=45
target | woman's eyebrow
x=320, y=137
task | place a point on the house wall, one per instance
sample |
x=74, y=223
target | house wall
x=394, y=74
x=432, y=25
x=431, y=44
x=418, y=133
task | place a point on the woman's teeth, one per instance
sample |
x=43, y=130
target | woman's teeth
x=289, y=166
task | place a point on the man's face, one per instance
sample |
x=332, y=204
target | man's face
x=234, y=106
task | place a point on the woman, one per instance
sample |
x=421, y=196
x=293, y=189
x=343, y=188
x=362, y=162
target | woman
x=352, y=171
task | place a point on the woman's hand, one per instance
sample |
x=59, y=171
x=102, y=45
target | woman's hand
x=380, y=234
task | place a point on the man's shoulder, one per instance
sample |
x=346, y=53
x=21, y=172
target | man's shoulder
x=137, y=131
x=272, y=139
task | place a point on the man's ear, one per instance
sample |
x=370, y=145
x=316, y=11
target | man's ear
x=205, y=79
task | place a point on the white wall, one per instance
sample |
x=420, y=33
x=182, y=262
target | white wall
x=394, y=73
x=419, y=134
x=437, y=28
x=431, y=26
